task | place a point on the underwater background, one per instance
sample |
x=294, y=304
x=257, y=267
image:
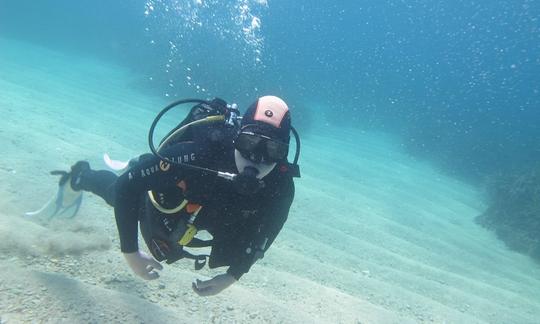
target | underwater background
x=458, y=81
x=450, y=87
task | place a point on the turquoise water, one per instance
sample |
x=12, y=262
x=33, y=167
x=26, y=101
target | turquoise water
x=404, y=109
x=458, y=81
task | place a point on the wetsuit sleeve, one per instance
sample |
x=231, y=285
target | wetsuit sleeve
x=264, y=233
x=149, y=173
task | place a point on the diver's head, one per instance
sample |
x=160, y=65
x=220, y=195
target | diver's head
x=263, y=140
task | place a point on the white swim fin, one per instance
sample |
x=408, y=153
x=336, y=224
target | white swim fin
x=66, y=200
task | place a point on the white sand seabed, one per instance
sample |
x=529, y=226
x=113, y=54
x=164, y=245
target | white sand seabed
x=374, y=236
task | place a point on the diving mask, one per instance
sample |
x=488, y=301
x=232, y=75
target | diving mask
x=260, y=148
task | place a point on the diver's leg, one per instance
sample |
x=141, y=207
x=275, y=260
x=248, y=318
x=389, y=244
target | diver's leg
x=98, y=182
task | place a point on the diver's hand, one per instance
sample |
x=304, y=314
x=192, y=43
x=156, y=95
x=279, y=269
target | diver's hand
x=213, y=286
x=143, y=265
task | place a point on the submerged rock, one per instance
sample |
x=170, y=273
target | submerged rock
x=514, y=211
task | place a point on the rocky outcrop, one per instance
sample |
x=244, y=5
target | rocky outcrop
x=514, y=211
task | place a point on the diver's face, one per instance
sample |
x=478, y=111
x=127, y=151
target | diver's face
x=263, y=168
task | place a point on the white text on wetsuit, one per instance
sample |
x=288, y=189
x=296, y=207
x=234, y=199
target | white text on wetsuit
x=179, y=159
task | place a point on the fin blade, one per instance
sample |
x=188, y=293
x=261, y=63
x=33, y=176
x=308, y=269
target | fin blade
x=48, y=210
x=114, y=164
x=77, y=205
x=63, y=200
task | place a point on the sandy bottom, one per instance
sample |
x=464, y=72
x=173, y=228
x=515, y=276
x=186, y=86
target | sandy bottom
x=374, y=236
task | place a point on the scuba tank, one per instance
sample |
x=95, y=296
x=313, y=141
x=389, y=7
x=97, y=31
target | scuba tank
x=204, y=112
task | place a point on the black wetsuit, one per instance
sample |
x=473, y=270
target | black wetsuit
x=242, y=227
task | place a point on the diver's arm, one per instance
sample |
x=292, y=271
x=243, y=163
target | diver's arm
x=263, y=236
x=149, y=173
x=274, y=216
x=130, y=187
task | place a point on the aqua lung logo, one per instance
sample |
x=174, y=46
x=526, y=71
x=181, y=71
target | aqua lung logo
x=149, y=171
x=164, y=166
x=184, y=158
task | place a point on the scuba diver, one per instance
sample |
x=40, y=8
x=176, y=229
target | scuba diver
x=215, y=171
